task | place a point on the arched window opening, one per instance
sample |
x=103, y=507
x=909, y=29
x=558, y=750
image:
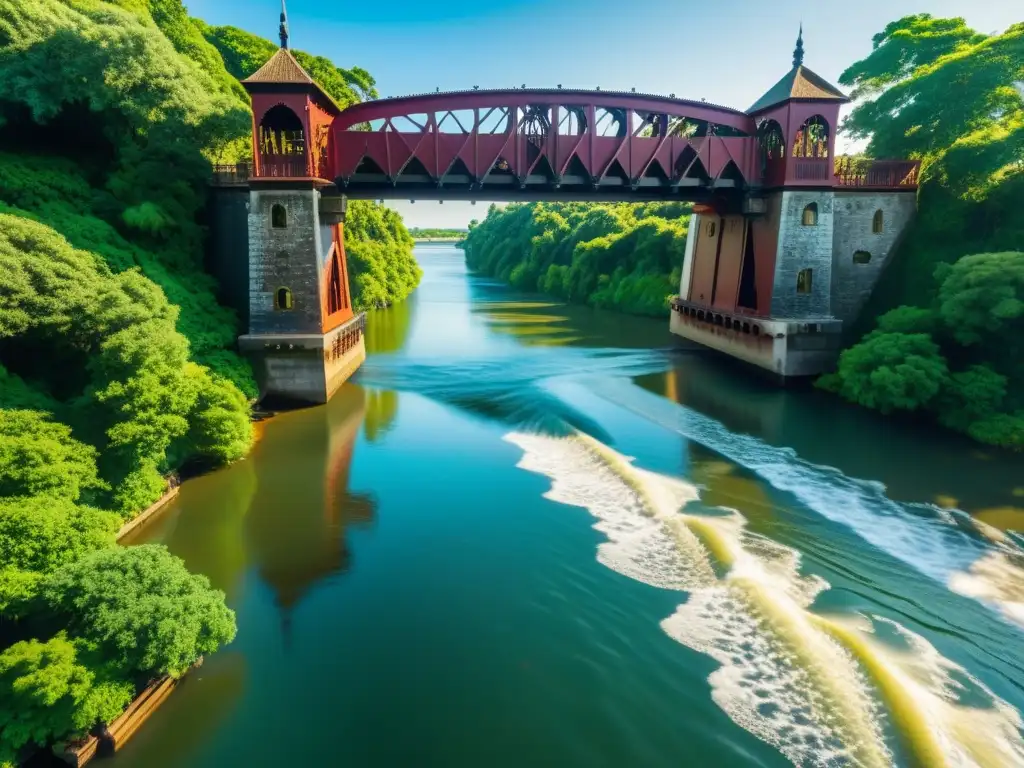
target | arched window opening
x=811, y=139
x=335, y=289
x=279, y=219
x=810, y=216
x=282, y=143
x=771, y=142
x=877, y=222
x=861, y=257
x=804, y=279
x=283, y=299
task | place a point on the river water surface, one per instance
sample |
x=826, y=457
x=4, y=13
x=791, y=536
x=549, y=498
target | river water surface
x=528, y=534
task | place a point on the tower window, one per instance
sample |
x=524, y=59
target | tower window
x=278, y=216
x=861, y=257
x=877, y=222
x=803, y=280
x=810, y=216
x=283, y=299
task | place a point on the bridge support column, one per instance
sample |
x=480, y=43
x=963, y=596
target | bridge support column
x=777, y=290
x=304, y=340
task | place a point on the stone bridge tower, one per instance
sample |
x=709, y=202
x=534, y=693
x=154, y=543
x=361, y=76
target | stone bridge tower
x=304, y=338
x=775, y=284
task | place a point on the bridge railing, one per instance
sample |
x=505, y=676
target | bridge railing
x=877, y=174
x=282, y=167
x=812, y=169
x=232, y=175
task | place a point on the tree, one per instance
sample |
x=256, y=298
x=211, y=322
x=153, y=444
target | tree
x=379, y=250
x=39, y=534
x=134, y=392
x=904, y=84
x=39, y=457
x=48, y=692
x=892, y=371
x=982, y=297
x=970, y=397
x=141, y=608
x=622, y=257
x=971, y=147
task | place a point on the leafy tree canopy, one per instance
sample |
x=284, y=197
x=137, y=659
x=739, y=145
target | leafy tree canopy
x=141, y=608
x=243, y=53
x=378, y=248
x=41, y=534
x=48, y=691
x=971, y=146
x=39, y=457
x=624, y=257
x=968, y=231
x=982, y=296
x=890, y=371
x=139, y=396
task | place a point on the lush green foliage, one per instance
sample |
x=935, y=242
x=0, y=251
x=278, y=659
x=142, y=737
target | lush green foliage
x=432, y=233
x=963, y=328
x=624, y=257
x=378, y=247
x=134, y=393
x=971, y=146
x=141, y=607
x=961, y=358
x=39, y=534
x=243, y=53
x=53, y=690
x=116, y=362
x=39, y=457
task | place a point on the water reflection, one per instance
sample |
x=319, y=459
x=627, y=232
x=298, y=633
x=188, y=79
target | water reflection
x=296, y=528
x=205, y=527
x=381, y=410
x=387, y=330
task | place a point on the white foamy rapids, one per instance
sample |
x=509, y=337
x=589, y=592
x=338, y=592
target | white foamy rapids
x=642, y=544
x=996, y=578
x=780, y=678
x=923, y=536
x=968, y=722
x=766, y=685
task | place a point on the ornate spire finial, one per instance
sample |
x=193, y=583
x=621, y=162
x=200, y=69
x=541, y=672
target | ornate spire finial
x=283, y=29
x=798, y=52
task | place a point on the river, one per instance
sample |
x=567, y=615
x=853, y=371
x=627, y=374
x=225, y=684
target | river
x=533, y=534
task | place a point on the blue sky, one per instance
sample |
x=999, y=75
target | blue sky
x=725, y=52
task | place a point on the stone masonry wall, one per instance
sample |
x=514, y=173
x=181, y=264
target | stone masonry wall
x=284, y=258
x=803, y=247
x=852, y=282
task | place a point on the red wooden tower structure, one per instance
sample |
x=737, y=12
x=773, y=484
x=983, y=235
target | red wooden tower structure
x=304, y=337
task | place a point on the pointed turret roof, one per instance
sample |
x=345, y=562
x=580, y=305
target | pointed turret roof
x=799, y=83
x=283, y=69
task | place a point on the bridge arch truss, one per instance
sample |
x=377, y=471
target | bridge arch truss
x=538, y=144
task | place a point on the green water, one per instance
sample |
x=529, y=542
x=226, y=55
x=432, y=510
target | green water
x=440, y=568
